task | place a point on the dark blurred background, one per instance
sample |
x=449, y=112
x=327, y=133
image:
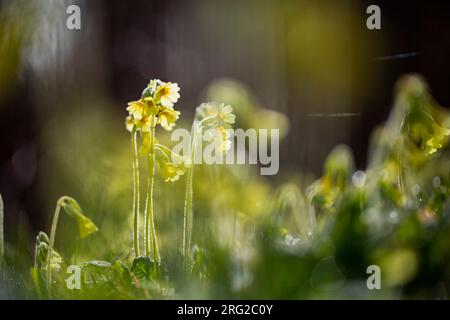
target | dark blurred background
x=308, y=59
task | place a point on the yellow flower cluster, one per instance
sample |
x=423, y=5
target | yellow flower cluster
x=217, y=119
x=217, y=114
x=170, y=170
x=154, y=107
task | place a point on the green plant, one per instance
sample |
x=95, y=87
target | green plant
x=262, y=238
x=212, y=119
x=85, y=227
x=154, y=107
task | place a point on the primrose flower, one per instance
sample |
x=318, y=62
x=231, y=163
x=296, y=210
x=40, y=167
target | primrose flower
x=145, y=124
x=167, y=94
x=151, y=107
x=136, y=109
x=154, y=107
x=129, y=123
x=172, y=164
x=167, y=118
x=221, y=137
x=225, y=114
x=171, y=171
x=216, y=113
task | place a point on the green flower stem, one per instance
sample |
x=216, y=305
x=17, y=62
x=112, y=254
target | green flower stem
x=311, y=213
x=50, y=247
x=151, y=243
x=188, y=212
x=400, y=176
x=187, y=224
x=136, y=193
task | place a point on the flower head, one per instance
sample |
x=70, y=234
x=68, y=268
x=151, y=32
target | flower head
x=146, y=123
x=437, y=141
x=154, y=107
x=221, y=137
x=167, y=118
x=172, y=165
x=136, y=109
x=171, y=171
x=217, y=114
x=151, y=107
x=217, y=119
x=167, y=94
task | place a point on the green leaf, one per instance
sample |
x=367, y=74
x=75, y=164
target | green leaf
x=122, y=271
x=144, y=268
x=37, y=281
x=41, y=253
x=97, y=264
x=97, y=272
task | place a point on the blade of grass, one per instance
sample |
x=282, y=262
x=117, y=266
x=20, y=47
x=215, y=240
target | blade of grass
x=50, y=247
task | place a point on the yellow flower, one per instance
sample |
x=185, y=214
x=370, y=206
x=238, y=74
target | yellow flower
x=136, y=109
x=151, y=108
x=129, y=123
x=226, y=114
x=221, y=137
x=167, y=94
x=167, y=118
x=436, y=141
x=146, y=123
x=217, y=114
x=85, y=225
x=171, y=172
x=154, y=107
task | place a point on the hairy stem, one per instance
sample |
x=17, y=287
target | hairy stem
x=50, y=247
x=188, y=212
x=151, y=243
x=311, y=213
x=400, y=177
x=136, y=193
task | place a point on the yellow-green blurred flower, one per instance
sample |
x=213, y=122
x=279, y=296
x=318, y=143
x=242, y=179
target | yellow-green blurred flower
x=322, y=193
x=171, y=171
x=73, y=209
x=225, y=114
x=221, y=137
x=215, y=113
x=437, y=141
x=422, y=116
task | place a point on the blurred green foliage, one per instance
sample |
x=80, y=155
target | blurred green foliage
x=254, y=237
